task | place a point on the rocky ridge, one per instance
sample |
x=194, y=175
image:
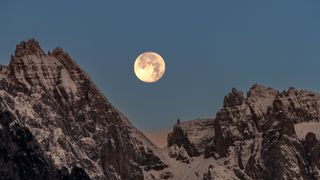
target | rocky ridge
x=70, y=120
x=264, y=135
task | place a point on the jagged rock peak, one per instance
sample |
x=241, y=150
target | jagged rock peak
x=291, y=91
x=70, y=119
x=59, y=53
x=258, y=90
x=266, y=135
x=64, y=58
x=234, y=98
x=29, y=47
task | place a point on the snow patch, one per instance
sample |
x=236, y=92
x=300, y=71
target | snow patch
x=302, y=129
x=192, y=171
x=69, y=85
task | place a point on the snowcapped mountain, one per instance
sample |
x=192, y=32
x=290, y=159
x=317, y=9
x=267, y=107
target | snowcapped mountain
x=55, y=124
x=73, y=124
x=265, y=135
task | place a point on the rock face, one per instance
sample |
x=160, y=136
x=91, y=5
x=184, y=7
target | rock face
x=234, y=98
x=64, y=123
x=265, y=135
x=192, y=136
x=21, y=156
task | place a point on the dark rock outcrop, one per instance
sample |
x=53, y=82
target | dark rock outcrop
x=179, y=138
x=190, y=136
x=21, y=157
x=234, y=98
x=30, y=47
x=312, y=148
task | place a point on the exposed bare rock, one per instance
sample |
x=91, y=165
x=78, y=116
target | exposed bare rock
x=166, y=175
x=180, y=138
x=71, y=120
x=193, y=136
x=30, y=47
x=312, y=149
x=208, y=175
x=234, y=98
x=179, y=153
x=21, y=157
x=265, y=135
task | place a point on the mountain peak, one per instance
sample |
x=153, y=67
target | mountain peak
x=59, y=53
x=70, y=118
x=234, y=98
x=29, y=47
x=64, y=58
x=258, y=90
x=256, y=137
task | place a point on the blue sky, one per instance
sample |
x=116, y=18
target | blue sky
x=209, y=47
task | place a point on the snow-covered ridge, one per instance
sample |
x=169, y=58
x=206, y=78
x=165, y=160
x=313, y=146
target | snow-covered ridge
x=71, y=119
x=265, y=135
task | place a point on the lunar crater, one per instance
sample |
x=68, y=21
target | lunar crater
x=149, y=67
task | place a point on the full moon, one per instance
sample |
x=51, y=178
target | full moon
x=149, y=67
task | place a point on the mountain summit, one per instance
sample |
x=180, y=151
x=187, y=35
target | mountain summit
x=266, y=135
x=70, y=120
x=55, y=124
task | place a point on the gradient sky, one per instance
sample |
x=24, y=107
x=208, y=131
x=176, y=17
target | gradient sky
x=209, y=47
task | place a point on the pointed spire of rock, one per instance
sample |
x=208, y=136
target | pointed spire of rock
x=291, y=91
x=59, y=53
x=64, y=58
x=234, y=98
x=29, y=47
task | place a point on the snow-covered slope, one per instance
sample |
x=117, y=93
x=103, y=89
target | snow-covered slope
x=265, y=135
x=73, y=122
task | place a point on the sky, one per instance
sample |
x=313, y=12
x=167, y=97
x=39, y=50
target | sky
x=208, y=46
